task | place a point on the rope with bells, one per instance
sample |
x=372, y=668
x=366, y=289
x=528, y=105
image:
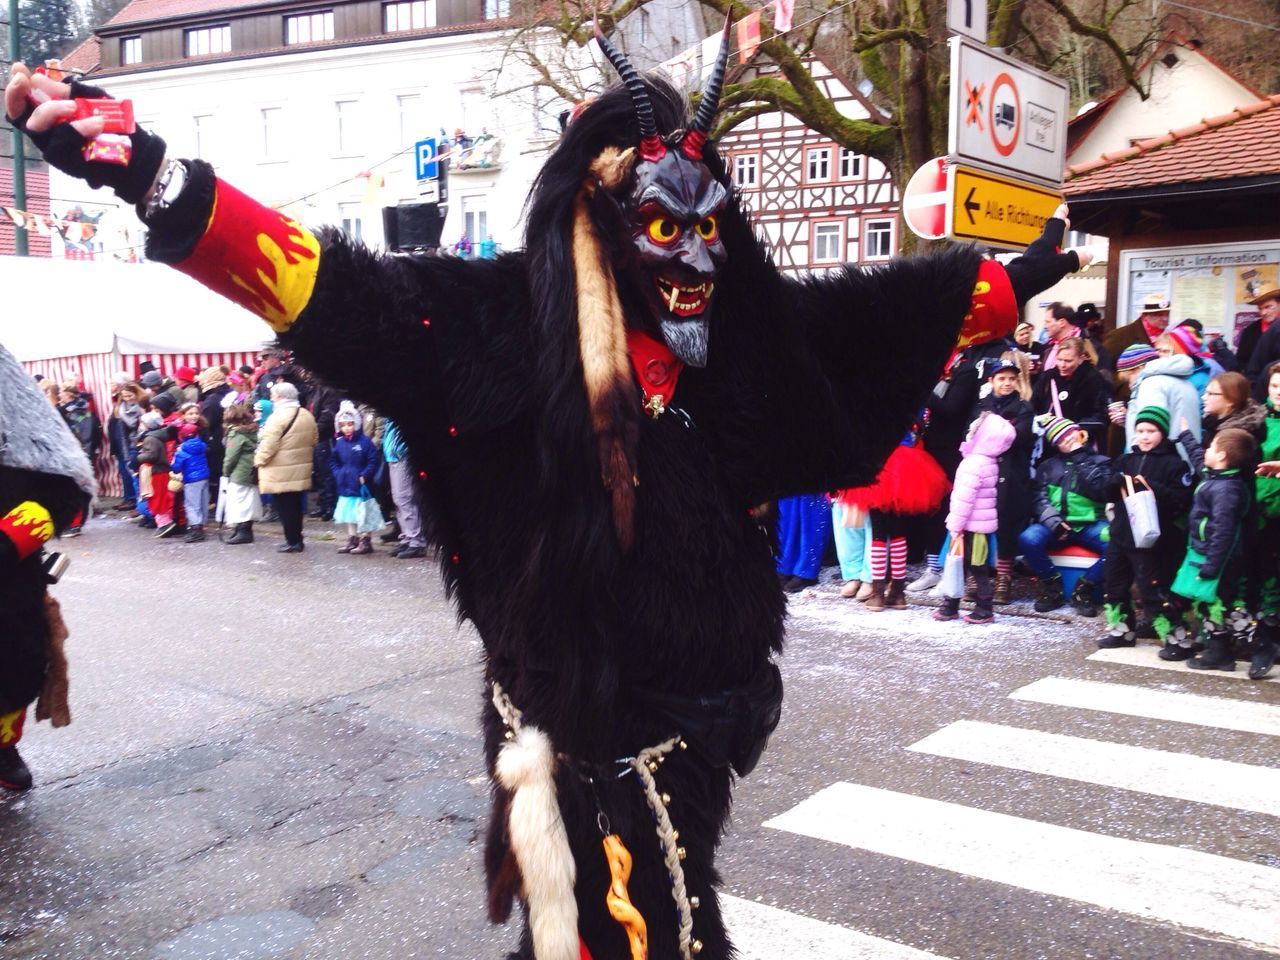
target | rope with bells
x=645, y=764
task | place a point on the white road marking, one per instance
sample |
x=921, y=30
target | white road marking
x=768, y=933
x=1145, y=656
x=1225, y=714
x=1198, y=890
x=1222, y=783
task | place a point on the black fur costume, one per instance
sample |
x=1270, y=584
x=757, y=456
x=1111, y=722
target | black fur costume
x=40, y=463
x=809, y=386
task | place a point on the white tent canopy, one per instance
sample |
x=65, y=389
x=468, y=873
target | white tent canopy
x=65, y=308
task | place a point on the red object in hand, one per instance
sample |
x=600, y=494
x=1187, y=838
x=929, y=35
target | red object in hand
x=109, y=148
x=117, y=114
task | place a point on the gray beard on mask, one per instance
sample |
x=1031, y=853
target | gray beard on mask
x=687, y=339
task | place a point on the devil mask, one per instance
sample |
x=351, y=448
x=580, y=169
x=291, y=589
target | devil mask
x=672, y=211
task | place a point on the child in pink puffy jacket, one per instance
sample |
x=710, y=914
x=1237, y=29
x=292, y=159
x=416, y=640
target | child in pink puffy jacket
x=973, y=518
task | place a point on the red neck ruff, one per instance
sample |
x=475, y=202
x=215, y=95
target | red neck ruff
x=657, y=369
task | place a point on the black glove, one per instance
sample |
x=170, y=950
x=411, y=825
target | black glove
x=61, y=146
x=1041, y=265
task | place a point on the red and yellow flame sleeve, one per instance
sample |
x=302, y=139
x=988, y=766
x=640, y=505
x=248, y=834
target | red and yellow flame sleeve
x=993, y=308
x=255, y=256
x=28, y=526
x=11, y=727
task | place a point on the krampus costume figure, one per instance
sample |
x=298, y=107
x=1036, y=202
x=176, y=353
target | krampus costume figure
x=593, y=420
x=45, y=481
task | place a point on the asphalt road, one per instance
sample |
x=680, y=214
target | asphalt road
x=278, y=756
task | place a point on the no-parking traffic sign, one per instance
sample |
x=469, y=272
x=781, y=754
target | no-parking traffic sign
x=1005, y=115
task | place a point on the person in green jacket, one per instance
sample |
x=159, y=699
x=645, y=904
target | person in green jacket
x=1266, y=561
x=243, y=504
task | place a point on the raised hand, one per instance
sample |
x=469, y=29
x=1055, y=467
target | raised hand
x=62, y=143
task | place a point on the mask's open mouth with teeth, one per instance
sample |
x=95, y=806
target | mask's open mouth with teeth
x=683, y=300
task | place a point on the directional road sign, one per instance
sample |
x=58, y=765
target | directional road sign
x=1006, y=116
x=997, y=210
x=424, y=159
x=968, y=17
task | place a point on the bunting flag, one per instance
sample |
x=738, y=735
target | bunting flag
x=19, y=217
x=710, y=51
x=680, y=68
x=373, y=183
x=782, y=11
x=748, y=36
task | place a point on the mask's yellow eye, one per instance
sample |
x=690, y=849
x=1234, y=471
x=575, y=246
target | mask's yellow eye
x=708, y=229
x=662, y=230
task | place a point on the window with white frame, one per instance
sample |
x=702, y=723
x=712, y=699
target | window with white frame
x=643, y=32
x=412, y=122
x=345, y=111
x=202, y=41
x=308, y=27
x=272, y=132
x=410, y=15
x=850, y=164
x=202, y=130
x=130, y=50
x=828, y=242
x=877, y=239
x=497, y=9
x=475, y=219
x=746, y=170
x=819, y=163
x=349, y=216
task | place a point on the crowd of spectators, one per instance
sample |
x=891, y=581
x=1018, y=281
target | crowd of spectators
x=237, y=447
x=1045, y=444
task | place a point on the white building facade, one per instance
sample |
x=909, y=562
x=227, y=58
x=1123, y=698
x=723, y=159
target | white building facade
x=328, y=134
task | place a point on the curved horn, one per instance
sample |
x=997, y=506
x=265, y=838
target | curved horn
x=701, y=126
x=649, y=140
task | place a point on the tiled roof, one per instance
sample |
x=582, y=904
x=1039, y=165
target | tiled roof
x=37, y=202
x=84, y=58
x=1242, y=143
x=138, y=11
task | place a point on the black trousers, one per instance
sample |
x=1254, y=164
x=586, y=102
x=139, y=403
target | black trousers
x=1128, y=567
x=289, y=506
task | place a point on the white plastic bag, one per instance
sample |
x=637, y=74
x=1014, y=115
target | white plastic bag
x=951, y=585
x=1144, y=521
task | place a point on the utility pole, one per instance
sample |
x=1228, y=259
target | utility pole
x=19, y=159
x=19, y=148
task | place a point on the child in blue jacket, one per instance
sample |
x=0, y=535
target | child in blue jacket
x=191, y=462
x=353, y=460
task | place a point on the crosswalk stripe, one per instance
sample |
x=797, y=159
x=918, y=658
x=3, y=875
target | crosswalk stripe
x=1192, y=708
x=1203, y=891
x=766, y=933
x=1222, y=783
x=1146, y=656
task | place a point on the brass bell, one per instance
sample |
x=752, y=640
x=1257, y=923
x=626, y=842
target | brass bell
x=653, y=767
x=696, y=946
x=666, y=799
x=681, y=852
x=683, y=745
x=509, y=735
x=695, y=902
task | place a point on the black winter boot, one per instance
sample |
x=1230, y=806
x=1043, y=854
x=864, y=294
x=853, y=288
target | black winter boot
x=1265, y=648
x=1049, y=595
x=243, y=533
x=14, y=774
x=1082, y=598
x=950, y=609
x=195, y=533
x=1218, y=654
x=1120, y=630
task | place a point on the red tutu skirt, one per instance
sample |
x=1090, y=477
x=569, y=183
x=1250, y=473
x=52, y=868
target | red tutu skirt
x=909, y=484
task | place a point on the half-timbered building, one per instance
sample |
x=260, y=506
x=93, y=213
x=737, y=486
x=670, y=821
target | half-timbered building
x=817, y=204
